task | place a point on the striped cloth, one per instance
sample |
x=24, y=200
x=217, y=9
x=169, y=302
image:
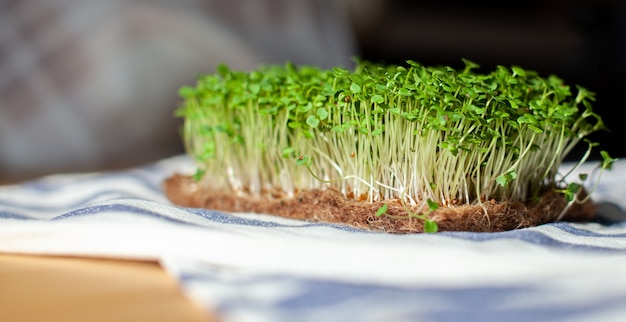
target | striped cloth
x=255, y=267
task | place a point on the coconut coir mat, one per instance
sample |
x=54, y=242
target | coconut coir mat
x=331, y=206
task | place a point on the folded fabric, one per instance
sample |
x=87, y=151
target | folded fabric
x=255, y=267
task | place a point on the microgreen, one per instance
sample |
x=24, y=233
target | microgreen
x=382, y=210
x=379, y=132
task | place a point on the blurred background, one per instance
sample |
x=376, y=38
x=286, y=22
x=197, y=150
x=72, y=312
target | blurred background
x=92, y=85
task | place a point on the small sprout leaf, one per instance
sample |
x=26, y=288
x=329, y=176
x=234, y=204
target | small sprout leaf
x=571, y=191
x=573, y=187
x=377, y=99
x=186, y=92
x=517, y=71
x=534, y=128
x=405, y=92
x=294, y=125
x=302, y=160
x=607, y=161
x=338, y=71
x=382, y=210
x=305, y=108
x=255, y=88
x=430, y=226
x=287, y=152
x=506, y=178
x=355, y=88
x=312, y=121
x=197, y=176
x=322, y=113
x=432, y=205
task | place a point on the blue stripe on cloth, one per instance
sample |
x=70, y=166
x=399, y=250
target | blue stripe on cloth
x=226, y=218
x=569, y=228
x=308, y=299
x=532, y=236
x=13, y=215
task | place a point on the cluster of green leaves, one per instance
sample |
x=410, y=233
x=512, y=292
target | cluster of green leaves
x=382, y=132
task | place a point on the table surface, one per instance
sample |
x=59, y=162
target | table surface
x=43, y=288
x=48, y=288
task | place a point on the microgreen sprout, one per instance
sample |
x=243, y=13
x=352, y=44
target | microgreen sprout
x=382, y=210
x=383, y=132
x=430, y=226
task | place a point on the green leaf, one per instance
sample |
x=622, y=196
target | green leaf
x=312, y=121
x=338, y=128
x=571, y=191
x=294, y=125
x=223, y=69
x=302, y=160
x=255, y=88
x=338, y=71
x=534, y=128
x=305, y=108
x=287, y=152
x=377, y=99
x=405, y=92
x=382, y=210
x=322, y=113
x=469, y=65
x=573, y=187
x=506, y=178
x=432, y=205
x=208, y=151
x=607, y=161
x=186, y=92
x=355, y=88
x=518, y=71
x=527, y=119
x=430, y=226
x=476, y=109
x=197, y=176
